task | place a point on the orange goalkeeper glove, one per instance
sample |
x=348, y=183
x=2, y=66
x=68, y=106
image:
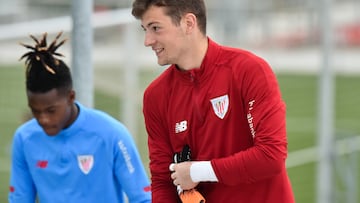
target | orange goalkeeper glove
x=187, y=196
x=191, y=196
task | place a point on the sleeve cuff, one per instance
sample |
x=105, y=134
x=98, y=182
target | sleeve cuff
x=202, y=171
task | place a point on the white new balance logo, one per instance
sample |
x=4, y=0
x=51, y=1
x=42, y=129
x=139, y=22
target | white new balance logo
x=180, y=127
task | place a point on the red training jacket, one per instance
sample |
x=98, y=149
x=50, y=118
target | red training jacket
x=228, y=111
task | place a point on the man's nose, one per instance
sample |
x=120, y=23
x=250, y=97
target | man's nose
x=149, y=39
x=43, y=120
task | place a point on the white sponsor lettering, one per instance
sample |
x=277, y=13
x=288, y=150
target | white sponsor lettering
x=250, y=118
x=126, y=156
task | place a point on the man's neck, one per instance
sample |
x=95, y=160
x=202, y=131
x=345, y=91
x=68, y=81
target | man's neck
x=193, y=59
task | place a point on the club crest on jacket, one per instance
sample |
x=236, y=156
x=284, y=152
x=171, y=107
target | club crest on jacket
x=220, y=105
x=86, y=163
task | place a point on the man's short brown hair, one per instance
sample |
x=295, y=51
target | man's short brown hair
x=175, y=9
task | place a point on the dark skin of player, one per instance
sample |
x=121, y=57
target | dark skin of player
x=54, y=110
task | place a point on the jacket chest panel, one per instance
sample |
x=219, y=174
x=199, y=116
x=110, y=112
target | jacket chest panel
x=197, y=112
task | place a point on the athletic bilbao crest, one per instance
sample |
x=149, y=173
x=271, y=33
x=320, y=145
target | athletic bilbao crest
x=220, y=105
x=86, y=163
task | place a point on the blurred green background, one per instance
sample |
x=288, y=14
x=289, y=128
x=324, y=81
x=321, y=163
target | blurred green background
x=299, y=92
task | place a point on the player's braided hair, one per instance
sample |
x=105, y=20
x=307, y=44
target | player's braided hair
x=44, y=71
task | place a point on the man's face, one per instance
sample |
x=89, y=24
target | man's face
x=163, y=36
x=52, y=110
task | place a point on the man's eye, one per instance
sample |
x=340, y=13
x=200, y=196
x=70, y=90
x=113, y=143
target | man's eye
x=155, y=28
x=34, y=111
x=51, y=111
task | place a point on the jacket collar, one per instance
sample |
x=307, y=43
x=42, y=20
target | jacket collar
x=206, y=67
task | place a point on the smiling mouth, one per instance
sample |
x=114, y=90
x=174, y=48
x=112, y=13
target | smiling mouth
x=158, y=51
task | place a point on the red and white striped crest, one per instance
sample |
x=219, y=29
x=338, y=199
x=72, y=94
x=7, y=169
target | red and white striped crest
x=220, y=105
x=86, y=163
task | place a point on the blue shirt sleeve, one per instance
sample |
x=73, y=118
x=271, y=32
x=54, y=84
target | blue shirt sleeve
x=129, y=169
x=22, y=189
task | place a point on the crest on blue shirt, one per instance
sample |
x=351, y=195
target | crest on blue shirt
x=220, y=105
x=86, y=162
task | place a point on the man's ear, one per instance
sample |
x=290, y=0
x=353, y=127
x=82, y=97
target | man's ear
x=71, y=96
x=190, y=21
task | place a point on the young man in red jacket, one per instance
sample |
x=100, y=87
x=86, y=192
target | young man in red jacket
x=224, y=103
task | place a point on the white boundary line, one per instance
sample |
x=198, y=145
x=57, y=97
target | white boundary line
x=64, y=23
x=310, y=155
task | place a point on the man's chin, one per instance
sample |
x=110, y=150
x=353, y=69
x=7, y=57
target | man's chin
x=51, y=132
x=162, y=62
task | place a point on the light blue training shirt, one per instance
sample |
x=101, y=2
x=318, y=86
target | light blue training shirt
x=94, y=160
